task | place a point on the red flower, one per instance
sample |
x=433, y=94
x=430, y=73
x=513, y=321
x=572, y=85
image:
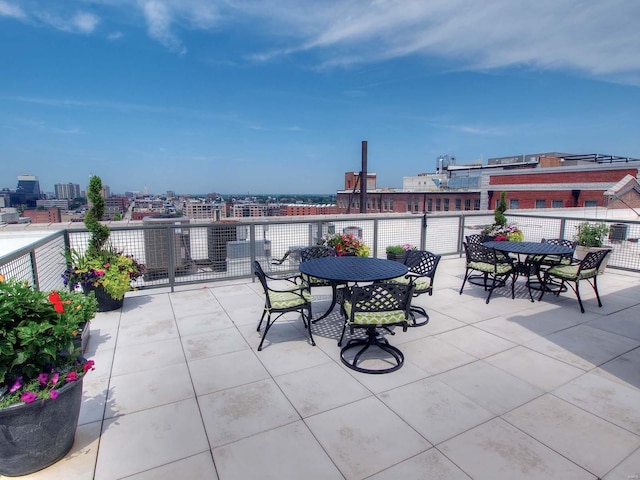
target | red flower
x=71, y=377
x=54, y=298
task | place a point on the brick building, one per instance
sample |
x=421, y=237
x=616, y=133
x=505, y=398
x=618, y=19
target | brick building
x=549, y=180
x=46, y=215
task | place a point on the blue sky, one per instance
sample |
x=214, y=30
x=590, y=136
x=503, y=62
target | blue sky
x=276, y=96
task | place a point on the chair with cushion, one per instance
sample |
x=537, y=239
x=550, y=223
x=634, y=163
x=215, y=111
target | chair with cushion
x=585, y=269
x=319, y=251
x=283, y=295
x=422, y=266
x=495, y=268
x=550, y=260
x=478, y=239
x=371, y=307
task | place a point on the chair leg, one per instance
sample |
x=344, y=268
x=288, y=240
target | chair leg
x=421, y=311
x=266, y=329
x=261, y=319
x=577, y=290
x=466, y=276
x=308, y=323
x=595, y=288
x=371, y=340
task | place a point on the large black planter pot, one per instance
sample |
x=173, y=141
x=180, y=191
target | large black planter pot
x=398, y=257
x=105, y=302
x=36, y=435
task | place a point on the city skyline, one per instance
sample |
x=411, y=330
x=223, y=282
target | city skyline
x=202, y=96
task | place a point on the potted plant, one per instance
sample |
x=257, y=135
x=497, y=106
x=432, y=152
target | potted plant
x=101, y=268
x=346, y=244
x=500, y=230
x=589, y=237
x=41, y=373
x=398, y=252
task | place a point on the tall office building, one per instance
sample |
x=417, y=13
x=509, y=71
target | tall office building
x=27, y=192
x=67, y=191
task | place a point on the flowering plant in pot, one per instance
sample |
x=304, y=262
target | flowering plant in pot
x=399, y=252
x=101, y=267
x=500, y=230
x=346, y=244
x=41, y=373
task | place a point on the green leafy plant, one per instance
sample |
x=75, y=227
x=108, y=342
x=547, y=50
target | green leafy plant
x=500, y=230
x=38, y=329
x=108, y=268
x=400, y=249
x=498, y=213
x=591, y=234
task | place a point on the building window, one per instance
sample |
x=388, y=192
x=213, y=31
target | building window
x=590, y=203
x=438, y=203
x=446, y=204
x=391, y=204
x=541, y=204
x=430, y=205
x=557, y=204
x=467, y=204
x=514, y=203
x=476, y=204
x=409, y=200
x=458, y=204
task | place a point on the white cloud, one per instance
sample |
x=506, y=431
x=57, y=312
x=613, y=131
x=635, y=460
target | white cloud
x=85, y=22
x=9, y=10
x=79, y=22
x=115, y=35
x=598, y=38
x=158, y=16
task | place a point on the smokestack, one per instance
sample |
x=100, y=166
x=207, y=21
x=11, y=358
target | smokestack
x=363, y=179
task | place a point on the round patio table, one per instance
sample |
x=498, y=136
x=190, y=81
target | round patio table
x=351, y=269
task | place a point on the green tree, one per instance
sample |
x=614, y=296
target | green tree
x=500, y=209
x=99, y=232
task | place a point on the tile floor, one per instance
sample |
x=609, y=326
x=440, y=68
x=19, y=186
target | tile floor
x=509, y=390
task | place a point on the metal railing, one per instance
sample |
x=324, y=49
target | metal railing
x=180, y=252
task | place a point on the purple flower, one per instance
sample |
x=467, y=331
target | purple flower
x=43, y=378
x=53, y=394
x=28, y=397
x=16, y=385
x=54, y=378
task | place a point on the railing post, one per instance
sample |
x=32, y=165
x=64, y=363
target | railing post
x=34, y=269
x=563, y=226
x=252, y=243
x=67, y=259
x=171, y=258
x=423, y=233
x=461, y=224
x=375, y=238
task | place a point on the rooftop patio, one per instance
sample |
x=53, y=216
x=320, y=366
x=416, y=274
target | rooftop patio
x=508, y=390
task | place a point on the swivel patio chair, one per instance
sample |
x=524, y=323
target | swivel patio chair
x=283, y=295
x=374, y=306
x=422, y=266
x=478, y=239
x=495, y=269
x=585, y=269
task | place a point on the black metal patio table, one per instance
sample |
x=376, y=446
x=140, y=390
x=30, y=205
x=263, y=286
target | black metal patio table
x=535, y=252
x=351, y=269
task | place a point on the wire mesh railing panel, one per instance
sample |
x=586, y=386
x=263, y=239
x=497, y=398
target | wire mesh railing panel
x=535, y=229
x=399, y=232
x=442, y=234
x=50, y=264
x=20, y=268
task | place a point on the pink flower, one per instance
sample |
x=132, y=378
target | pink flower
x=28, y=397
x=53, y=394
x=54, y=378
x=43, y=378
x=71, y=377
x=99, y=273
x=89, y=365
x=16, y=385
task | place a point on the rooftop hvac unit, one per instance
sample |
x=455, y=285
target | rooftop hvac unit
x=218, y=236
x=166, y=243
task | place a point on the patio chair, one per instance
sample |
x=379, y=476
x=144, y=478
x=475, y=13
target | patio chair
x=478, y=239
x=422, y=266
x=374, y=306
x=318, y=251
x=495, y=269
x=283, y=295
x=585, y=269
x=551, y=260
